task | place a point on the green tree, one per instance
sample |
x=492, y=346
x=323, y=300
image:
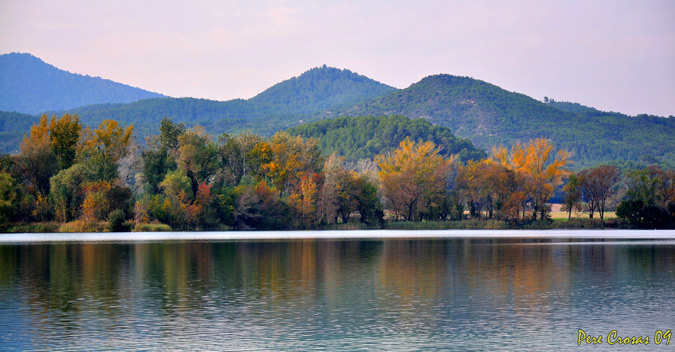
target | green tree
x=8, y=198
x=572, y=196
x=197, y=156
x=66, y=195
x=102, y=149
x=650, y=198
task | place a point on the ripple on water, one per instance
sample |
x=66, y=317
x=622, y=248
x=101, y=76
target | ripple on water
x=330, y=295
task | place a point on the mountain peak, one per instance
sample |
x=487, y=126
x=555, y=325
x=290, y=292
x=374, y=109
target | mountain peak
x=448, y=80
x=321, y=88
x=20, y=56
x=333, y=73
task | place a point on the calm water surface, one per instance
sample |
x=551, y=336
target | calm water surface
x=463, y=294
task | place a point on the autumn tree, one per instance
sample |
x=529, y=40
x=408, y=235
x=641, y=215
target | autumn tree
x=201, y=214
x=260, y=207
x=64, y=134
x=413, y=177
x=177, y=197
x=37, y=162
x=286, y=159
x=51, y=146
x=536, y=168
x=101, y=198
x=487, y=186
x=339, y=192
x=96, y=205
x=597, y=185
x=345, y=194
x=308, y=196
x=101, y=150
x=472, y=180
x=328, y=198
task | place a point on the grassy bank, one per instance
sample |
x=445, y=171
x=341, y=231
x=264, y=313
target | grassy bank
x=470, y=224
x=491, y=224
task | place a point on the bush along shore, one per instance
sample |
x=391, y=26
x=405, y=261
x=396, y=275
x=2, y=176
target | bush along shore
x=70, y=178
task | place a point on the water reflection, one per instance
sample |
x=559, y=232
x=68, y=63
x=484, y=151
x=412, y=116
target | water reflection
x=289, y=295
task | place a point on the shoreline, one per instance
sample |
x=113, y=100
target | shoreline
x=618, y=234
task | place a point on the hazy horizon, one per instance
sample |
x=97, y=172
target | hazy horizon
x=612, y=55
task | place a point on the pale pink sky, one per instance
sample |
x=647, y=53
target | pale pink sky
x=613, y=55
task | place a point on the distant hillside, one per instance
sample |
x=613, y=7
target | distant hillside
x=489, y=116
x=366, y=136
x=29, y=85
x=283, y=105
x=579, y=109
x=13, y=126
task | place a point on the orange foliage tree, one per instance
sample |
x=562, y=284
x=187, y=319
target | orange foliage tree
x=537, y=170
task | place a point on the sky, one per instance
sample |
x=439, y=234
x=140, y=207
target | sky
x=612, y=55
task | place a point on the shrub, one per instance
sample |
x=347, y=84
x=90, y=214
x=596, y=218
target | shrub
x=116, y=221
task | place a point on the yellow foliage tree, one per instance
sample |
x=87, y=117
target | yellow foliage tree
x=108, y=138
x=286, y=159
x=413, y=178
x=64, y=134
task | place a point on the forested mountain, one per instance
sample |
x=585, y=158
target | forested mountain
x=489, y=116
x=366, y=136
x=29, y=85
x=283, y=105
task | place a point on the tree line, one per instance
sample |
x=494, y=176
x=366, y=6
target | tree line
x=88, y=179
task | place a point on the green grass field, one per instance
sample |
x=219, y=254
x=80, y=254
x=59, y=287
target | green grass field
x=584, y=215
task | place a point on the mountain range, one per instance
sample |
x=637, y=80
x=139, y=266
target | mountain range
x=481, y=112
x=489, y=116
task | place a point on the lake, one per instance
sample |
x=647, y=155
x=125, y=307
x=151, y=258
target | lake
x=351, y=291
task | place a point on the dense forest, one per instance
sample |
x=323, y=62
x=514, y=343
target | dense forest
x=488, y=115
x=365, y=137
x=29, y=85
x=68, y=177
